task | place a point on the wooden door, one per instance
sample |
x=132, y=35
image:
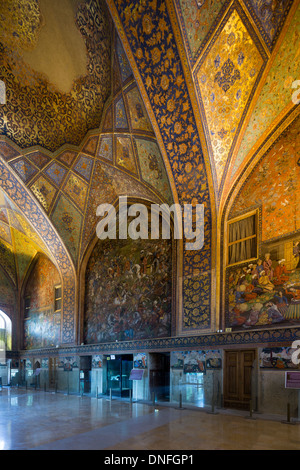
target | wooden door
x=238, y=378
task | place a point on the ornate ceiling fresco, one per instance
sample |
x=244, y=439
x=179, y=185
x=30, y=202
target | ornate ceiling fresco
x=274, y=102
x=170, y=107
x=231, y=46
x=227, y=75
x=119, y=157
x=44, y=46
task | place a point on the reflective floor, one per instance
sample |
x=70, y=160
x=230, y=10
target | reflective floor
x=48, y=421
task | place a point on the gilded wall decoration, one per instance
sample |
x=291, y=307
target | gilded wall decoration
x=24, y=169
x=67, y=157
x=107, y=185
x=68, y=220
x=25, y=251
x=124, y=65
x=149, y=31
x=20, y=243
x=138, y=115
x=90, y=146
x=276, y=93
x=5, y=233
x=40, y=286
x=121, y=121
x=269, y=16
x=7, y=151
x=124, y=154
x=44, y=191
x=8, y=262
x=83, y=167
x=70, y=173
x=56, y=173
x=77, y=190
x=39, y=159
x=197, y=21
x=152, y=168
x=101, y=191
x=227, y=76
x=106, y=148
x=21, y=22
x=117, y=82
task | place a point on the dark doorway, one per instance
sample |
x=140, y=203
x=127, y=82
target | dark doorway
x=159, y=376
x=238, y=378
x=118, y=373
x=85, y=374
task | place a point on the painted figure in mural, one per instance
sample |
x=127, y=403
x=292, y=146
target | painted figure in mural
x=274, y=314
x=281, y=301
x=264, y=282
x=259, y=267
x=267, y=264
x=296, y=253
x=128, y=290
x=280, y=273
x=256, y=300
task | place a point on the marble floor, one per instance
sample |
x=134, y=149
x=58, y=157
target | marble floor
x=37, y=420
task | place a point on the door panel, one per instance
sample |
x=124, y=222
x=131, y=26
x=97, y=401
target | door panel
x=232, y=376
x=238, y=378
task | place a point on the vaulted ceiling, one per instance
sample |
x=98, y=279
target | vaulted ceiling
x=244, y=57
x=74, y=127
x=169, y=100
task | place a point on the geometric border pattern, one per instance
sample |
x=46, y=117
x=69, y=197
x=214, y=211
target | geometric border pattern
x=219, y=340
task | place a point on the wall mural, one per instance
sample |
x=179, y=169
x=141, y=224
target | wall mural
x=266, y=291
x=41, y=323
x=276, y=358
x=196, y=361
x=128, y=291
x=97, y=361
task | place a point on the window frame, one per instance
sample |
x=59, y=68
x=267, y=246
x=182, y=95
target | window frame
x=56, y=288
x=254, y=212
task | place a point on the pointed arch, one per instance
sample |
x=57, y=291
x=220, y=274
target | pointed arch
x=176, y=255
x=6, y=327
x=14, y=188
x=171, y=110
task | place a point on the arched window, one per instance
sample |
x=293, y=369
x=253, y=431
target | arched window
x=5, y=331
